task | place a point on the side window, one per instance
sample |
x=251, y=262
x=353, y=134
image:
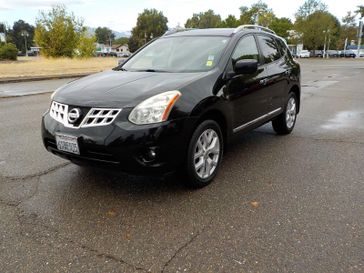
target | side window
x=246, y=49
x=269, y=49
x=281, y=47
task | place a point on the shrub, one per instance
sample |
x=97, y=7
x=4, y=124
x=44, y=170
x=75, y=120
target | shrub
x=8, y=52
x=58, y=32
x=86, y=46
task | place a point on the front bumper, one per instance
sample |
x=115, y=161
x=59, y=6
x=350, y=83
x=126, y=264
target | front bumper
x=123, y=145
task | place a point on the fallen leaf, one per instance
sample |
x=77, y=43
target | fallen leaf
x=111, y=213
x=127, y=236
x=254, y=204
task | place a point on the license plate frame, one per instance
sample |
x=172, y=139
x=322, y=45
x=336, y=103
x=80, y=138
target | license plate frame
x=67, y=143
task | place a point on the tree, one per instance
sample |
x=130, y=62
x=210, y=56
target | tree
x=309, y=7
x=121, y=41
x=207, y=19
x=281, y=26
x=104, y=35
x=348, y=29
x=86, y=45
x=230, y=22
x=349, y=19
x=316, y=27
x=3, y=28
x=22, y=33
x=133, y=44
x=58, y=32
x=259, y=13
x=360, y=11
x=151, y=23
x=245, y=16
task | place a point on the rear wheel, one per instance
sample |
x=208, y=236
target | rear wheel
x=204, y=154
x=286, y=121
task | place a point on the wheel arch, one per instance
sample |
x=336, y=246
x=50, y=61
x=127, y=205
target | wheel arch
x=296, y=90
x=218, y=116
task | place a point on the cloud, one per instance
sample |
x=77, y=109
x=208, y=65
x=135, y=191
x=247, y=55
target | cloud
x=13, y=4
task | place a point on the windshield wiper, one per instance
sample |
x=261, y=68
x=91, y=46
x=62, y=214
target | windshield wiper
x=119, y=69
x=150, y=70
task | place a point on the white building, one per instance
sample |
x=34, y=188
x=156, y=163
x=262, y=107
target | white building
x=102, y=48
x=121, y=49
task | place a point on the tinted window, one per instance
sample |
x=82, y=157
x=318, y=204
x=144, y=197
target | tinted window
x=282, y=46
x=269, y=49
x=246, y=49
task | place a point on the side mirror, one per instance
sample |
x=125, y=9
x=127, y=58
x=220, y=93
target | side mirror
x=248, y=66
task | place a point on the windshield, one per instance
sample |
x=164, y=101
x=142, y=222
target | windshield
x=179, y=54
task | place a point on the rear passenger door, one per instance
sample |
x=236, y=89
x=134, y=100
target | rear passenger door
x=275, y=71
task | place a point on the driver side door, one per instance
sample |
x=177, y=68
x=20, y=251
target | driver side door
x=246, y=92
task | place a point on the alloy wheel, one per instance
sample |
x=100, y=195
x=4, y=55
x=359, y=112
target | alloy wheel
x=291, y=112
x=207, y=153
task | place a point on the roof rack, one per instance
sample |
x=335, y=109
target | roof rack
x=176, y=30
x=260, y=28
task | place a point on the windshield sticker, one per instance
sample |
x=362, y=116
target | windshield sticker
x=211, y=58
x=209, y=63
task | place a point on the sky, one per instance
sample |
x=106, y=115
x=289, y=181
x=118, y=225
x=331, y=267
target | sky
x=121, y=15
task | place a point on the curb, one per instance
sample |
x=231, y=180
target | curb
x=42, y=78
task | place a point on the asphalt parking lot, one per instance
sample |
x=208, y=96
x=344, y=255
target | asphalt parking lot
x=279, y=204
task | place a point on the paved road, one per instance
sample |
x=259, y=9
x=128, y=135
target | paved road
x=31, y=88
x=279, y=204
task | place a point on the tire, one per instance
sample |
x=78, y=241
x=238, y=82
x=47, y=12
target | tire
x=285, y=122
x=202, y=164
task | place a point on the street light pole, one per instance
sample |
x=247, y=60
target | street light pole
x=323, y=55
x=25, y=34
x=359, y=38
x=328, y=47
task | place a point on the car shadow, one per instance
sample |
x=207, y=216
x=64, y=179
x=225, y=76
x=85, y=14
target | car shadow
x=143, y=218
x=244, y=144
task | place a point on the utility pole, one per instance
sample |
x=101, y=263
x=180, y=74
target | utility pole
x=359, y=38
x=346, y=44
x=323, y=55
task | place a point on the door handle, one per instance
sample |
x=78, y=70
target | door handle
x=264, y=81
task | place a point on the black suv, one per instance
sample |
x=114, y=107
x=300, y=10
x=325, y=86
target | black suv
x=177, y=102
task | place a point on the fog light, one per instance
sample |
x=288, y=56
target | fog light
x=149, y=155
x=152, y=154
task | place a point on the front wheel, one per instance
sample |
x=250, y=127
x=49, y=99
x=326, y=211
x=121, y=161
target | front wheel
x=204, y=154
x=286, y=121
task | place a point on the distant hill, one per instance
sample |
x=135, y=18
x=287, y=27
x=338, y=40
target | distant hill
x=122, y=34
x=117, y=33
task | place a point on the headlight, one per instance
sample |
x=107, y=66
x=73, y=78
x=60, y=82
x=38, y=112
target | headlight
x=155, y=109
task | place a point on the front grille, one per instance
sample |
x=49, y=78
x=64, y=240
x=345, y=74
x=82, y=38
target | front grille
x=94, y=117
x=59, y=112
x=99, y=117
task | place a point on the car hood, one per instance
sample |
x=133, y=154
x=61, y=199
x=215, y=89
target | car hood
x=120, y=88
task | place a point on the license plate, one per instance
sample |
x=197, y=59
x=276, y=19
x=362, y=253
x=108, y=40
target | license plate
x=67, y=144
